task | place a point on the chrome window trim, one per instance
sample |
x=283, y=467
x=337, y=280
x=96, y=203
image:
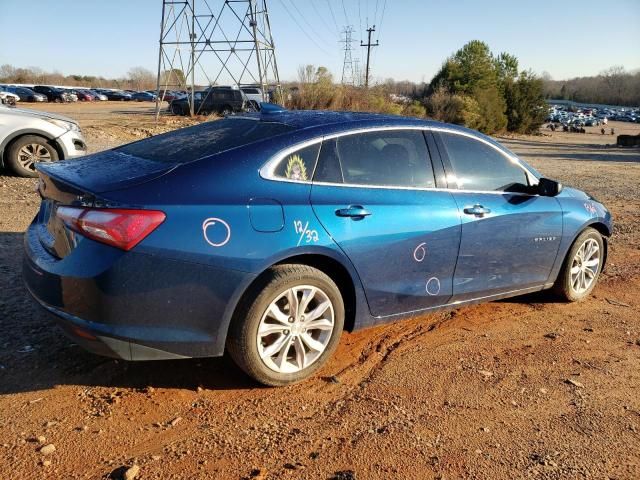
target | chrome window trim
x=267, y=170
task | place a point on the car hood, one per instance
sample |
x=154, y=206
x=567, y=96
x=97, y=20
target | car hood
x=575, y=193
x=38, y=114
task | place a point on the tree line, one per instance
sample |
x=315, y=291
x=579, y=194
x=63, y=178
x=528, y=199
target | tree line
x=613, y=86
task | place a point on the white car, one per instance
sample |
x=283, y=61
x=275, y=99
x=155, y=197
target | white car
x=254, y=96
x=8, y=97
x=30, y=136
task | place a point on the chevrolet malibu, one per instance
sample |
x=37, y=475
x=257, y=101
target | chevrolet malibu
x=266, y=235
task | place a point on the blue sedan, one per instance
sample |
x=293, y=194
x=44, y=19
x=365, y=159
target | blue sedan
x=266, y=235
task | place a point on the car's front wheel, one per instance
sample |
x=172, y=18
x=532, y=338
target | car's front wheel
x=24, y=152
x=582, y=266
x=288, y=325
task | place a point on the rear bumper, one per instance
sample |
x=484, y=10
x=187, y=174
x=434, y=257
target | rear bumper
x=132, y=305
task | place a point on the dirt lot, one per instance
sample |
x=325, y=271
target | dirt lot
x=522, y=388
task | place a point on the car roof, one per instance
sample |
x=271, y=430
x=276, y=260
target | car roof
x=323, y=122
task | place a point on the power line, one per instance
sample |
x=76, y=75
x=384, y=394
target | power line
x=320, y=16
x=375, y=15
x=360, y=18
x=304, y=19
x=302, y=29
x=384, y=6
x=346, y=17
x=333, y=16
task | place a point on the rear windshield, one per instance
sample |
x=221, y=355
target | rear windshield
x=202, y=140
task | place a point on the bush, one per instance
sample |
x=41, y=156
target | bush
x=316, y=91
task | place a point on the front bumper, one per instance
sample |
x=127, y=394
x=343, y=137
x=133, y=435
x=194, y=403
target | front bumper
x=133, y=305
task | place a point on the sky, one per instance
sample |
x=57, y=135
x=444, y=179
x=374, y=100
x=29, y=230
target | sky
x=564, y=38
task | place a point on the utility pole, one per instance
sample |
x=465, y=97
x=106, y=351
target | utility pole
x=369, y=45
x=348, y=77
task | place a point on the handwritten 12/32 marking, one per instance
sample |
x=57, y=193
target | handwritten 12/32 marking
x=304, y=232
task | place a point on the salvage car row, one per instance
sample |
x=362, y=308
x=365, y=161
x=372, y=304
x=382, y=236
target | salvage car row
x=48, y=93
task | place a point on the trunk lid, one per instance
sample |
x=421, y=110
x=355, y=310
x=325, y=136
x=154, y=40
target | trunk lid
x=105, y=171
x=79, y=183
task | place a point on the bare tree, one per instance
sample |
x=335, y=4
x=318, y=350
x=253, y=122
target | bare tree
x=141, y=78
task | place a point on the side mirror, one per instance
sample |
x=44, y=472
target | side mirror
x=548, y=187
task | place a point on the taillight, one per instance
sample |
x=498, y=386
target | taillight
x=121, y=228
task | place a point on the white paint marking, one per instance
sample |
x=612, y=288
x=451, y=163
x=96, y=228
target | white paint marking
x=210, y=222
x=420, y=252
x=312, y=235
x=433, y=286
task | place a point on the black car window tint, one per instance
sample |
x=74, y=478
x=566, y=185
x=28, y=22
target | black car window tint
x=478, y=166
x=397, y=158
x=298, y=165
x=208, y=138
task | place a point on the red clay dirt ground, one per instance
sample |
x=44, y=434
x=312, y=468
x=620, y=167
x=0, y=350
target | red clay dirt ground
x=521, y=388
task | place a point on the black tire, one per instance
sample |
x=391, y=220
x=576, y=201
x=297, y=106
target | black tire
x=243, y=331
x=18, y=165
x=176, y=109
x=564, y=284
x=226, y=110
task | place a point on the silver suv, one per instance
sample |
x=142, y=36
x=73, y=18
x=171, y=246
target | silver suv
x=29, y=136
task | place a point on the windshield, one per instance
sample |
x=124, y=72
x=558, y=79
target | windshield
x=208, y=138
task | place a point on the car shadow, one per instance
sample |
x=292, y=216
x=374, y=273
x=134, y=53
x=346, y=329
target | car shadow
x=36, y=355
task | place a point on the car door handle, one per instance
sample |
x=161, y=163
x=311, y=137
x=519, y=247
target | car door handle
x=354, y=211
x=477, y=210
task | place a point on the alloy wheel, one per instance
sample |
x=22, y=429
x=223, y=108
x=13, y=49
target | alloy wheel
x=295, y=329
x=584, y=266
x=31, y=153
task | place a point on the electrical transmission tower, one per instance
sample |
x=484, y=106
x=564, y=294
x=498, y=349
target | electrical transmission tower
x=357, y=74
x=348, y=74
x=215, y=42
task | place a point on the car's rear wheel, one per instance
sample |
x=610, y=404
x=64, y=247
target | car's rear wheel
x=226, y=110
x=288, y=325
x=25, y=151
x=581, y=267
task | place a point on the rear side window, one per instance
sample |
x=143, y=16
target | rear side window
x=298, y=165
x=202, y=140
x=478, y=166
x=396, y=158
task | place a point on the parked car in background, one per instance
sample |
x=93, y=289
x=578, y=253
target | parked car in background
x=98, y=96
x=220, y=100
x=167, y=95
x=26, y=94
x=30, y=136
x=82, y=95
x=265, y=235
x=254, y=96
x=53, y=94
x=143, y=97
x=117, y=95
x=8, y=97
